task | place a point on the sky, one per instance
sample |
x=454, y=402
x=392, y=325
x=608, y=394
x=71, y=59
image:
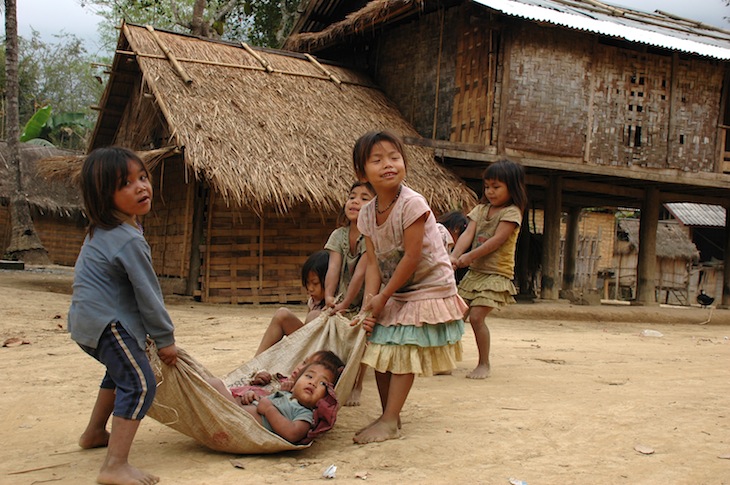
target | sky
x=51, y=17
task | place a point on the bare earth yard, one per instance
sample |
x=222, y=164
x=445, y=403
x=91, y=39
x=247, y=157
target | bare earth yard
x=574, y=392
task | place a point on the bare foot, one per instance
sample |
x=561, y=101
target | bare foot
x=481, y=371
x=376, y=432
x=125, y=474
x=354, y=399
x=94, y=439
x=400, y=425
x=366, y=427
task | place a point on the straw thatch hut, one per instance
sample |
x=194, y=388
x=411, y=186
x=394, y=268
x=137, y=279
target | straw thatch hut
x=675, y=253
x=56, y=207
x=263, y=162
x=707, y=228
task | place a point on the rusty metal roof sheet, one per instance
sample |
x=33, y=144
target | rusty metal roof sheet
x=694, y=215
x=658, y=29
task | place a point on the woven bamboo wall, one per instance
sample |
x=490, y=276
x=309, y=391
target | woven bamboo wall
x=631, y=108
x=61, y=236
x=168, y=226
x=644, y=118
x=566, y=93
x=695, y=115
x=548, y=91
x=245, y=261
x=414, y=64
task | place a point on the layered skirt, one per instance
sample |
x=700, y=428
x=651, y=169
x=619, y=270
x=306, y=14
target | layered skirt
x=490, y=290
x=417, y=337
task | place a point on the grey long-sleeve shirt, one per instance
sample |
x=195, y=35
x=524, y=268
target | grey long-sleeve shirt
x=114, y=281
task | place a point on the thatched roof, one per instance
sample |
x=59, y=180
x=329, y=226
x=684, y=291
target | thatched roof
x=671, y=241
x=57, y=196
x=68, y=167
x=367, y=18
x=263, y=127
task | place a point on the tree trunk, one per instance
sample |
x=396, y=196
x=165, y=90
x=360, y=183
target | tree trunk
x=198, y=24
x=24, y=242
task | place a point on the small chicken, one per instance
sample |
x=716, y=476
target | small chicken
x=704, y=299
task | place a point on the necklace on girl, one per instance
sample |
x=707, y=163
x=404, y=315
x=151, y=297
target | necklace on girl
x=389, y=205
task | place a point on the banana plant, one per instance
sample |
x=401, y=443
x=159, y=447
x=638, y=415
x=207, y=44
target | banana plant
x=35, y=125
x=47, y=129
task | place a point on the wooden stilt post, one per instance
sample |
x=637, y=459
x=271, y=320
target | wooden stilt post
x=646, y=268
x=725, y=300
x=570, y=252
x=551, y=240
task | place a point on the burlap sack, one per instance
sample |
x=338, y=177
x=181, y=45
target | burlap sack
x=188, y=404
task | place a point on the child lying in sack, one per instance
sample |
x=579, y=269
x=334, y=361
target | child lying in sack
x=298, y=416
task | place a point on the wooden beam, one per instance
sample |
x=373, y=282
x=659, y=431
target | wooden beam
x=324, y=70
x=665, y=175
x=170, y=56
x=264, y=63
x=573, y=185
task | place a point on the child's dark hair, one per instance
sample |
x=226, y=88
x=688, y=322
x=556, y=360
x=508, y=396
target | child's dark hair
x=364, y=145
x=342, y=220
x=102, y=174
x=331, y=359
x=454, y=221
x=316, y=262
x=512, y=174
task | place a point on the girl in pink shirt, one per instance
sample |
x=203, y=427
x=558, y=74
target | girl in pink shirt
x=413, y=312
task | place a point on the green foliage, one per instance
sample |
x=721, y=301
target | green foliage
x=270, y=21
x=36, y=123
x=64, y=129
x=57, y=74
x=260, y=22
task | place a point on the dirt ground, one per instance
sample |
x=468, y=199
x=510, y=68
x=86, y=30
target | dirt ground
x=576, y=394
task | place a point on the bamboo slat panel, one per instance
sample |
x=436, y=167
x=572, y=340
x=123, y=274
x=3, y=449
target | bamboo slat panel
x=251, y=262
x=61, y=236
x=167, y=228
x=476, y=70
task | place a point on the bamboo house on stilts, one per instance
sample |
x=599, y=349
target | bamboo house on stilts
x=261, y=159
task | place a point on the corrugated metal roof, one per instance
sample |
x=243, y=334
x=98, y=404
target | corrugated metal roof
x=702, y=215
x=673, y=33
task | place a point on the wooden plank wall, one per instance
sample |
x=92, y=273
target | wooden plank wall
x=247, y=261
